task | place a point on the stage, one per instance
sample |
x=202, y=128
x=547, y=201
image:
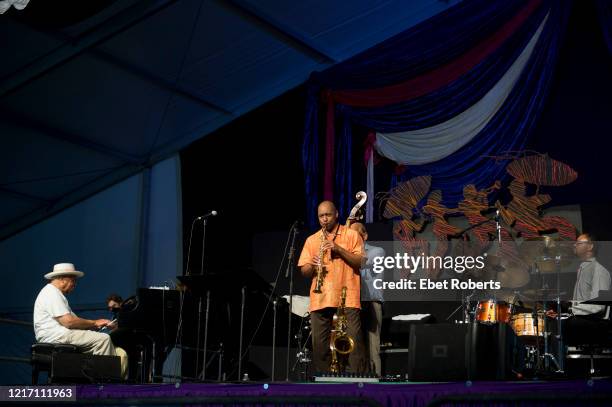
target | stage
x=527, y=393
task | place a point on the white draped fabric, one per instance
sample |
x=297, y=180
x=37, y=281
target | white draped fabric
x=431, y=144
x=18, y=4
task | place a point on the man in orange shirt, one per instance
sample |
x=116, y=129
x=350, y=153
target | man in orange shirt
x=342, y=258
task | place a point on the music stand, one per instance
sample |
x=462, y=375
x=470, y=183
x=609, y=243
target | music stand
x=199, y=285
x=231, y=281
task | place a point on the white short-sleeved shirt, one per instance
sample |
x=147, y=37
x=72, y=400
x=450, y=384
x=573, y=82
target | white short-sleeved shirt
x=50, y=304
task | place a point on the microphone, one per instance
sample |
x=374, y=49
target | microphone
x=211, y=213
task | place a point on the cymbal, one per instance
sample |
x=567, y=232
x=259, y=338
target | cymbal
x=514, y=276
x=547, y=253
x=542, y=293
x=492, y=266
x=521, y=296
x=512, y=297
x=507, y=296
x=492, y=260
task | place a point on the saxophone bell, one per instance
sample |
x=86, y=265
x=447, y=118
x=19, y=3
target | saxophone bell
x=341, y=343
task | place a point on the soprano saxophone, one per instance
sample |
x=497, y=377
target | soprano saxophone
x=319, y=282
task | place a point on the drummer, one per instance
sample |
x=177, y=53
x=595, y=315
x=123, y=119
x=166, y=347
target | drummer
x=592, y=277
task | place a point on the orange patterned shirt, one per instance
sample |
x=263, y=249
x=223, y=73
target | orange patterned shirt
x=339, y=273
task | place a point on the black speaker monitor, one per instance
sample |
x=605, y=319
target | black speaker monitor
x=438, y=352
x=85, y=368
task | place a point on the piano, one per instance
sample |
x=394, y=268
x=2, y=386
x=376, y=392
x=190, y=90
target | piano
x=154, y=316
x=147, y=325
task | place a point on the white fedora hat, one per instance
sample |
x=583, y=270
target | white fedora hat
x=64, y=269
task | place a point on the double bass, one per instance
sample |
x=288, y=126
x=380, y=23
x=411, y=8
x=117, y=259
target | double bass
x=356, y=214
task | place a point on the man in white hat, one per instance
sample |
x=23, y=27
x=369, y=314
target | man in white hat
x=54, y=321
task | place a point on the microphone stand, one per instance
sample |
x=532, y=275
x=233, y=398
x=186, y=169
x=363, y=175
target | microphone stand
x=205, y=350
x=289, y=274
x=204, y=222
x=498, y=227
x=274, y=339
x=187, y=270
x=243, y=296
x=465, y=299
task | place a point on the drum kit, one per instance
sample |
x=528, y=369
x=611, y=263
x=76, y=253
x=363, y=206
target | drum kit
x=524, y=310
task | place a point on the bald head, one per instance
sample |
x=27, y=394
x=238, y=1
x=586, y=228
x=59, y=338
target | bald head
x=328, y=215
x=327, y=206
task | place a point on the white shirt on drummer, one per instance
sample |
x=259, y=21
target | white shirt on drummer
x=592, y=277
x=50, y=304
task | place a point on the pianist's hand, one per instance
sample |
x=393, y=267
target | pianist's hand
x=101, y=323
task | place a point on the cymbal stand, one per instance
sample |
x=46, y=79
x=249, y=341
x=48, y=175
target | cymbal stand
x=558, y=359
x=540, y=358
x=559, y=331
x=498, y=227
x=466, y=306
x=536, y=324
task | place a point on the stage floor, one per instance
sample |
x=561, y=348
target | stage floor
x=562, y=392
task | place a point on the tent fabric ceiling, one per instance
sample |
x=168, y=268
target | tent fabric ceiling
x=92, y=92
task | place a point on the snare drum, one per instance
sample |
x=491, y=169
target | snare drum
x=492, y=312
x=523, y=325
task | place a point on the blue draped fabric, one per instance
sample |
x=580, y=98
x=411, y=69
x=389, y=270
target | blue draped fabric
x=344, y=150
x=449, y=101
x=310, y=155
x=604, y=11
x=421, y=48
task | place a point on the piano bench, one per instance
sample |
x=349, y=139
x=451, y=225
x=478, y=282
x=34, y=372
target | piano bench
x=599, y=361
x=42, y=356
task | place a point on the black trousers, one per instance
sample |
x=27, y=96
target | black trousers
x=322, y=323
